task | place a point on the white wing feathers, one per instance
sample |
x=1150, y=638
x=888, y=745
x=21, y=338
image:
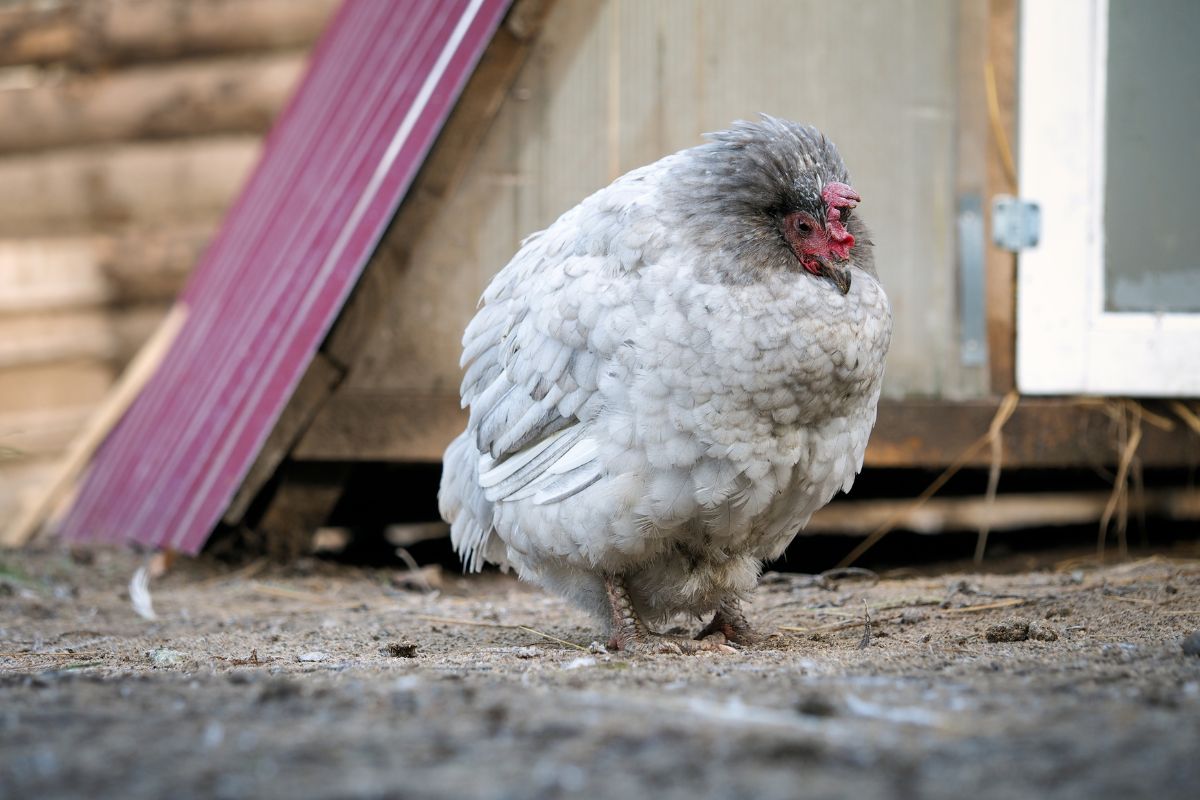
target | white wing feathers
x=548, y=324
x=529, y=377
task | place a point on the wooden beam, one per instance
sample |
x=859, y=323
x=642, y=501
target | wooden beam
x=41, y=433
x=193, y=98
x=387, y=426
x=21, y=476
x=32, y=388
x=141, y=184
x=313, y=390
x=303, y=500
x=76, y=334
x=145, y=265
x=91, y=33
x=382, y=426
x=1007, y=512
x=970, y=184
x=1042, y=432
x=1001, y=271
x=439, y=175
x=133, y=266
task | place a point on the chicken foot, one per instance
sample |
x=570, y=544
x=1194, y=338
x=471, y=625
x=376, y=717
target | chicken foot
x=631, y=635
x=730, y=625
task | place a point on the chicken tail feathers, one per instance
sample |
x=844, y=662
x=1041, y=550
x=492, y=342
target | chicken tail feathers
x=462, y=504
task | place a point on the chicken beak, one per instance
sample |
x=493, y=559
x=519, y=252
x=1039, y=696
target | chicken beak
x=838, y=275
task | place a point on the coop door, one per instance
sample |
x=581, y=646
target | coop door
x=1109, y=300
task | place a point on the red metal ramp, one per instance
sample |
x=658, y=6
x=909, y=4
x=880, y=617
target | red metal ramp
x=381, y=82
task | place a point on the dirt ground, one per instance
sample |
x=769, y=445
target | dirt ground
x=321, y=680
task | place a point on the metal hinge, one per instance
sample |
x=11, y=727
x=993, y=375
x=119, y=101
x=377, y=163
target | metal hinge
x=972, y=321
x=1016, y=223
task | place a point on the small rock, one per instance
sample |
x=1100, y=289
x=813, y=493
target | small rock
x=1041, y=632
x=582, y=661
x=1191, y=644
x=1013, y=629
x=315, y=655
x=165, y=657
x=401, y=649
x=912, y=616
x=526, y=652
x=817, y=704
x=278, y=689
x=1122, y=651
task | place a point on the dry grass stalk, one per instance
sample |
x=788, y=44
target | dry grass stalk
x=481, y=624
x=1007, y=603
x=1007, y=406
x=1128, y=415
x=1189, y=417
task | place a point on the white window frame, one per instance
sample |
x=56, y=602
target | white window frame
x=1066, y=342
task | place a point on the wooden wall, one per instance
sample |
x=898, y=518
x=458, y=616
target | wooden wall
x=613, y=84
x=126, y=127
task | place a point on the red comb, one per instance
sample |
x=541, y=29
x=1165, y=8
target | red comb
x=839, y=195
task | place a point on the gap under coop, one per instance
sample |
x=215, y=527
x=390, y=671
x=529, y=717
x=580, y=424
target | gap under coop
x=386, y=515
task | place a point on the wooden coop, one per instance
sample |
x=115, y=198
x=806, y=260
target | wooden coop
x=552, y=101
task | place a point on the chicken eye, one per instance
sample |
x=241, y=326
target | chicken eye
x=803, y=228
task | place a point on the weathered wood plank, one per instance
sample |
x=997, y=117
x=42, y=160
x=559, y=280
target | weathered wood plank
x=1041, y=433
x=89, y=334
x=152, y=264
x=388, y=426
x=1001, y=274
x=133, y=266
x=970, y=182
x=238, y=95
x=382, y=426
x=133, y=184
x=59, y=272
x=91, y=33
x=55, y=385
x=40, y=432
x=302, y=501
x=20, y=477
x=1007, y=512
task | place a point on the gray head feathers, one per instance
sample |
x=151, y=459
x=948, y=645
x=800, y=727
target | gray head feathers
x=732, y=192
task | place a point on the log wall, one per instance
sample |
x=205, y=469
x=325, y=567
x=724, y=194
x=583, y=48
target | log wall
x=126, y=127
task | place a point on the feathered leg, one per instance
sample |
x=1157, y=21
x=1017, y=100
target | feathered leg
x=631, y=635
x=729, y=624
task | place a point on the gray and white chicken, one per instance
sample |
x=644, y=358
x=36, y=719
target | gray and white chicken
x=667, y=382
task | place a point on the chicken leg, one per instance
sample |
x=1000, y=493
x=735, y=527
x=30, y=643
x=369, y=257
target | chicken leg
x=729, y=624
x=631, y=635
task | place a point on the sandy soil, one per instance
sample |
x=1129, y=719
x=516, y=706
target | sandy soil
x=327, y=681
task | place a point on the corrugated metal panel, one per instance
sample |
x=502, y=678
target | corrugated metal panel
x=336, y=165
